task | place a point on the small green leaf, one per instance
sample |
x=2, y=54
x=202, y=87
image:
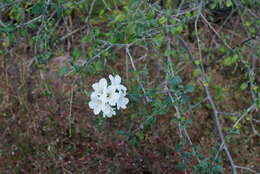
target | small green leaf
x=38, y=8
x=162, y=20
x=197, y=62
x=230, y=60
x=243, y=86
x=229, y=3
x=76, y=54
x=258, y=22
x=85, y=39
x=196, y=72
x=99, y=66
x=134, y=3
x=119, y=17
x=141, y=135
x=158, y=39
x=233, y=118
x=62, y=71
x=247, y=23
x=8, y=29
x=177, y=30
x=189, y=88
x=175, y=80
x=222, y=49
x=24, y=32
x=57, y=9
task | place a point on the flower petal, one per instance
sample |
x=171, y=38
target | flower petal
x=106, y=108
x=117, y=79
x=113, y=99
x=94, y=96
x=122, y=102
x=103, y=83
x=112, y=79
x=95, y=86
x=110, y=113
x=91, y=104
x=97, y=109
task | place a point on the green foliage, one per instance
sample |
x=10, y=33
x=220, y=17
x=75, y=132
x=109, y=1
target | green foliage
x=76, y=54
x=230, y=60
x=208, y=167
x=166, y=79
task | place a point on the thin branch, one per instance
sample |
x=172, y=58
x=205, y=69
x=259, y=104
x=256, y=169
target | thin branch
x=255, y=120
x=91, y=9
x=219, y=127
x=148, y=99
x=29, y=22
x=195, y=105
x=177, y=112
x=70, y=111
x=176, y=106
x=73, y=32
x=106, y=5
x=229, y=113
x=213, y=29
x=251, y=75
x=216, y=113
x=91, y=59
x=214, y=108
x=37, y=18
x=11, y=3
x=251, y=108
x=248, y=169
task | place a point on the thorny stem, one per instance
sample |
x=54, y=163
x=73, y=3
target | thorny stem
x=70, y=111
x=212, y=28
x=11, y=3
x=184, y=129
x=73, y=32
x=178, y=113
x=148, y=99
x=172, y=100
x=252, y=107
x=92, y=58
x=215, y=111
x=248, y=169
x=204, y=82
x=219, y=128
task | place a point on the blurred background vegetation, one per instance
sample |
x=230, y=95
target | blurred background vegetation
x=192, y=72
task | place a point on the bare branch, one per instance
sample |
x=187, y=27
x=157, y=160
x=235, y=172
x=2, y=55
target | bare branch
x=251, y=108
x=148, y=99
x=214, y=108
x=73, y=32
x=248, y=169
x=213, y=29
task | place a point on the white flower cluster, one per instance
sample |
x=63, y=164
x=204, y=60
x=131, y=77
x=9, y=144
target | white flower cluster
x=106, y=98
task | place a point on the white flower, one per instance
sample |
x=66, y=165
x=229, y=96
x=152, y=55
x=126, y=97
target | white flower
x=97, y=104
x=106, y=98
x=110, y=96
x=100, y=86
x=109, y=112
x=122, y=102
x=115, y=81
